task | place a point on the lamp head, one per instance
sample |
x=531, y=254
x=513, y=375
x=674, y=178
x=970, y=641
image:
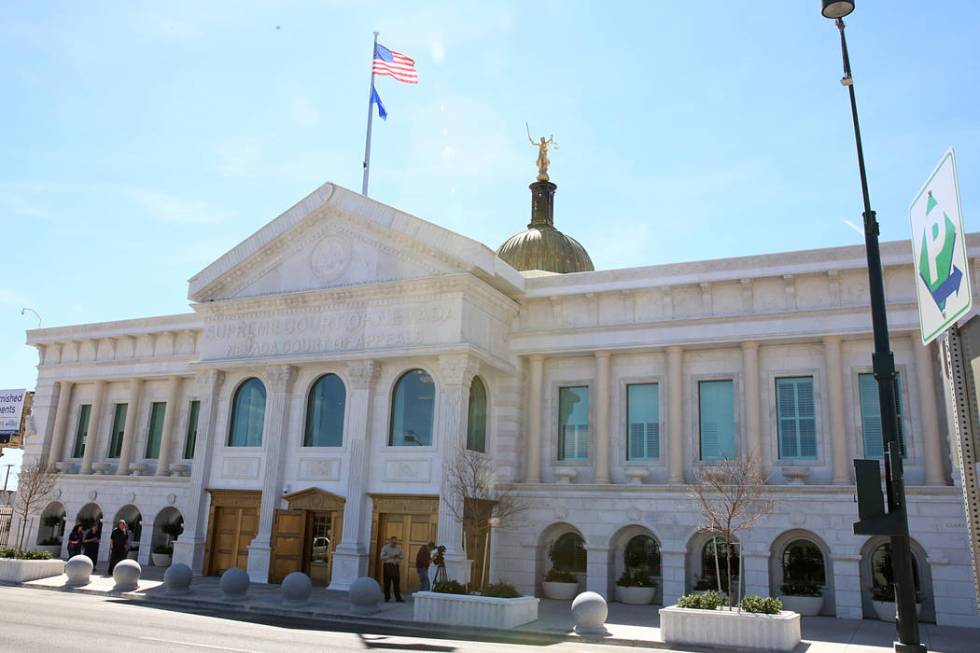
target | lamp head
x=834, y=9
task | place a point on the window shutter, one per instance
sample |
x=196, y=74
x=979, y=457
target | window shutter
x=717, y=408
x=870, y=416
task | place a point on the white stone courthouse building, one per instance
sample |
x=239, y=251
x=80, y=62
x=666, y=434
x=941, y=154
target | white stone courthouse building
x=335, y=360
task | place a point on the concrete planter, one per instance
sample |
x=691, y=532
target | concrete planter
x=161, y=559
x=53, y=549
x=728, y=629
x=806, y=606
x=479, y=611
x=20, y=571
x=635, y=595
x=886, y=610
x=559, y=591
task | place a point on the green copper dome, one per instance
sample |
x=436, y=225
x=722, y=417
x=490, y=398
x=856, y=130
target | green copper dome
x=541, y=246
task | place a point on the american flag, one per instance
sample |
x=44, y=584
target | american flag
x=394, y=64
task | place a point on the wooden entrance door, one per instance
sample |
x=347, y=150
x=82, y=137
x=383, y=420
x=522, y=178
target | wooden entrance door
x=412, y=531
x=288, y=538
x=232, y=525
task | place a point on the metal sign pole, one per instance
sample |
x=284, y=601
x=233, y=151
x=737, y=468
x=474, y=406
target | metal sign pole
x=962, y=394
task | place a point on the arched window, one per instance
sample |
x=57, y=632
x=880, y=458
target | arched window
x=568, y=553
x=325, y=413
x=247, y=415
x=412, y=407
x=714, y=566
x=643, y=554
x=803, y=563
x=476, y=425
x=881, y=573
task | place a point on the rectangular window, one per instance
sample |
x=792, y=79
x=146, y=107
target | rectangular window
x=191, y=440
x=573, y=423
x=716, y=404
x=118, y=426
x=155, y=432
x=81, y=433
x=871, y=416
x=643, y=421
x=797, y=422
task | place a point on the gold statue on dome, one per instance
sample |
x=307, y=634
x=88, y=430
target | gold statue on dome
x=543, y=160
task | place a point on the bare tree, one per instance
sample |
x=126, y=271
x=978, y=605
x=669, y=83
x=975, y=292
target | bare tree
x=35, y=485
x=474, y=497
x=732, y=496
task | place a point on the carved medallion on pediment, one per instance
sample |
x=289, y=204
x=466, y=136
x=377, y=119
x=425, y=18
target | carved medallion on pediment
x=330, y=258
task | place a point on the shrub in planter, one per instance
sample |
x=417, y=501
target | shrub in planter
x=804, y=597
x=24, y=555
x=557, y=576
x=449, y=587
x=709, y=600
x=636, y=588
x=560, y=585
x=704, y=585
x=51, y=541
x=883, y=602
x=501, y=590
x=760, y=605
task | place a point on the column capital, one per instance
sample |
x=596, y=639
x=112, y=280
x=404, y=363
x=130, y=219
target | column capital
x=603, y=353
x=280, y=377
x=363, y=374
x=536, y=357
x=832, y=339
x=750, y=344
x=207, y=378
x=675, y=349
x=458, y=369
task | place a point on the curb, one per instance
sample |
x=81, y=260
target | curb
x=187, y=603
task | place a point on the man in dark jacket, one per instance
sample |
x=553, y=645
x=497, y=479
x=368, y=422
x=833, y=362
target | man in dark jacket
x=90, y=543
x=422, y=561
x=119, y=545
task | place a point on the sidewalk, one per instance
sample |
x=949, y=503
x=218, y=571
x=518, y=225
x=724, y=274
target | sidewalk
x=628, y=625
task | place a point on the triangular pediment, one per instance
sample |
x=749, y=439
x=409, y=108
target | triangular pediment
x=335, y=238
x=314, y=498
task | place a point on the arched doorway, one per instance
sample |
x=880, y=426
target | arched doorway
x=876, y=577
x=167, y=527
x=707, y=562
x=635, y=550
x=134, y=521
x=561, y=547
x=798, y=559
x=51, y=529
x=90, y=516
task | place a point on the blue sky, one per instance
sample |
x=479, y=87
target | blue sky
x=141, y=140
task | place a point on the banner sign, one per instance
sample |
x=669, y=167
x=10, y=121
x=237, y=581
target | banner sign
x=11, y=408
x=942, y=279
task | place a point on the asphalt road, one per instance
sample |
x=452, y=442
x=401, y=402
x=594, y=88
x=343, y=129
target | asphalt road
x=45, y=621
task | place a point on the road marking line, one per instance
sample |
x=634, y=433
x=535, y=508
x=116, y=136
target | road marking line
x=218, y=648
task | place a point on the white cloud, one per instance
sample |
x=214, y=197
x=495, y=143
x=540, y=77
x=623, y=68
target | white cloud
x=10, y=297
x=853, y=226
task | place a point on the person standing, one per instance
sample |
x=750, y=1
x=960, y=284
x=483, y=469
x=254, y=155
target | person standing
x=422, y=561
x=118, y=545
x=75, y=540
x=90, y=543
x=391, y=557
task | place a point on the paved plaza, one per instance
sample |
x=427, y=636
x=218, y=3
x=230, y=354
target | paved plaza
x=630, y=625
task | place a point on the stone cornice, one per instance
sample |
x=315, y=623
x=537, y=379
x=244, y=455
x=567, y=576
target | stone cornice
x=805, y=492
x=116, y=329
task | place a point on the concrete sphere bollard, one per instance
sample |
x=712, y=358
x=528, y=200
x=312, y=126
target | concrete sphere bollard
x=126, y=574
x=177, y=578
x=79, y=571
x=365, y=596
x=296, y=589
x=234, y=584
x=589, y=610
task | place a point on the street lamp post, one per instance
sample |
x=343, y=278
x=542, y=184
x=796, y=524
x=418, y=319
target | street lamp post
x=884, y=370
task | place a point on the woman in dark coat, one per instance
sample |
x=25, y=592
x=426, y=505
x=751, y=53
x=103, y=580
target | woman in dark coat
x=90, y=544
x=75, y=541
x=119, y=545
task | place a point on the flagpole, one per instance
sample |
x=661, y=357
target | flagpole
x=367, y=140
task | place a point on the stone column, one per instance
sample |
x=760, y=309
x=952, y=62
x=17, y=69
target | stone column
x=146, y=544
x=105, y=543
x=92, y=438
x=534, y=411
x=457, y=372
x=169, y=425
x=189, y=547
x=673, y=574
x=675, y=413
x=847, y=586
x=835, y=397
x=129, y=428
x=932, y=448
x=753, y=425
x=350, y=560
x=597, y=570
x=279, y=381
x=602, y=443
x=57, y=450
